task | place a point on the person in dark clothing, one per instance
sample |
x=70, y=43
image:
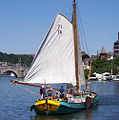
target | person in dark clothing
x=42, y=92
x=49, y=92
x=56, y=96
x=71, y=91
x=61, y=90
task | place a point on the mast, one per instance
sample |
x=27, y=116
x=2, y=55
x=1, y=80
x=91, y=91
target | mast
x=76, y=47
x=89, y=77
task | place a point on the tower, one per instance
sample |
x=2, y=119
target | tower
x=103, y=53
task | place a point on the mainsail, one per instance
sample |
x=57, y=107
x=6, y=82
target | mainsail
x=55, y=60
x=80, y=65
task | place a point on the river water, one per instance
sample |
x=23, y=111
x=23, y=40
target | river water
x=15, y=103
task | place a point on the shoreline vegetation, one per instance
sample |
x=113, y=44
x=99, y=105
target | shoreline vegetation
x=101, y=66
x=14, y=58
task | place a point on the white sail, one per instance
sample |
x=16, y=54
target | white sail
x=55, y=60
x=80, y=65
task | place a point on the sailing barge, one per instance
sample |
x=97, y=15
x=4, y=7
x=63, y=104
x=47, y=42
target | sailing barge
x=59, y=60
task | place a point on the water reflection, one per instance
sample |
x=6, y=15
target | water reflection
x=82, y=115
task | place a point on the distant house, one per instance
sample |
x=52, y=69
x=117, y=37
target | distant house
x=94, y=57
x=116, y=47
x=105, y=55
x=85, y=59
x=110, y=56
x=84, y=56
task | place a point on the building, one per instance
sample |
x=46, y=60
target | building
x=116, y=47
x=103, y=53
x=109, y=56
x=85, y=59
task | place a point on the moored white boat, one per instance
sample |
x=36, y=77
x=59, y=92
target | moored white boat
x=116, y=78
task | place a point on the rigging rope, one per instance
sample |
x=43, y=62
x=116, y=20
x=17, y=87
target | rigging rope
x=66, y=9
x=36, y=94
x=81, y=37
x=61, y=8
x=82, y=28
x=26, y=60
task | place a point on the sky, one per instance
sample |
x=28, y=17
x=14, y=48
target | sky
x=24, y=23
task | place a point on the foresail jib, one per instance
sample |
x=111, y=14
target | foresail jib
x=42, y=44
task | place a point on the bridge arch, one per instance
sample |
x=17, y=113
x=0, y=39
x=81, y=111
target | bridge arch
x=11, y=71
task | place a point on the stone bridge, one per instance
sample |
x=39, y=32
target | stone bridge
x=13, y=69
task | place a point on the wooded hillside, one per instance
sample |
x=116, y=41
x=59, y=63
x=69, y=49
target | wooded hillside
x=13, y=58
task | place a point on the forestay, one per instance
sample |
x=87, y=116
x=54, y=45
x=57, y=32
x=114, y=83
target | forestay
x=55, y=60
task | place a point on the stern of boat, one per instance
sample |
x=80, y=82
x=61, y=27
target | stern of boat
x=92, y=100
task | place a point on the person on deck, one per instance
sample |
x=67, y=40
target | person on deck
x=56, y=96
x=71, y=91
x=42, y=92
x=49, y=93
x=61, y=90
